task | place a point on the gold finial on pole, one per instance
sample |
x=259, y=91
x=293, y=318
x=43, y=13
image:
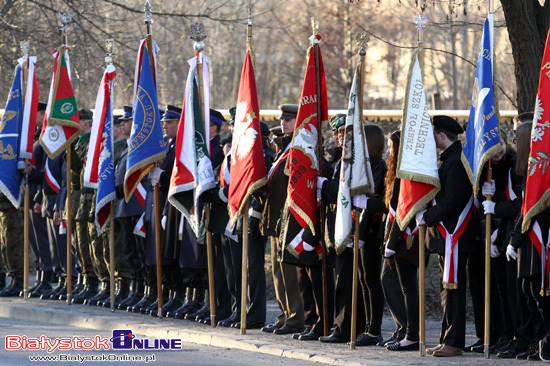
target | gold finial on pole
x=314, y=26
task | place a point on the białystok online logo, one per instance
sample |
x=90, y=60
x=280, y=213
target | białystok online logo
x=122, y=339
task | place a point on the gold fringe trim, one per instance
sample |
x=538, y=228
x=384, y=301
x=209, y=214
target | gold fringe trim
x=417, y=206
x=145, y=166
x=484, y=159
x=421, y=178
x=450, y=286
x=342, y=246
x=234, y=217
x=542, y=204
x=304, y=217
x=409, y=242
x=54, y=154
x=292, y=251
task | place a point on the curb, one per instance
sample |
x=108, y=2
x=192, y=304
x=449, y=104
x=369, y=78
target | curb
x=75, y=318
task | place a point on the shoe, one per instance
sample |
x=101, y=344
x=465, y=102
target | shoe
x=251, y=325
x=477, y=343
x=535, y=355
x=388, y=341
x=367, y=340
x=523, y=355
x=430, y=351
x=499, y=345
x=509, y=353
x=544, y=349
x=287, y=329
x=479, y=348
x=331, y=339
x=311, y=336
x=448, y=351
x=234, y=318
x=270, y=328
x=297, y=335
x=14, y=288
x=396, y=346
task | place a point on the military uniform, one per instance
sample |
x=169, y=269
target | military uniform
x=11, y=244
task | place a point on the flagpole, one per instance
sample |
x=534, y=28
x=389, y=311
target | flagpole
x=26, y=223
x=109, y=48
x=314, y=27
x=65, y=20
x=246, y=218
x=198, y=46
x=158, y=227
x=487, y=320
x=420, y=22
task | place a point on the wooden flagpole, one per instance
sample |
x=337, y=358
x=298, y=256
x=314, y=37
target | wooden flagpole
x=109, y=44
x=26, y=222
x=362, y=39
x=314, y=27
x=158, y=226
x=487, y=317
x=197, y=35
x=420, y=21
x=246, y=218
x=65, y=20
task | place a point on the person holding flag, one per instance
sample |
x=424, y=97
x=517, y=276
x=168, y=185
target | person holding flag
x=451, y=235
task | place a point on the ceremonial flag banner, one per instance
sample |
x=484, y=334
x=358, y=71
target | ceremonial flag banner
x=303, y=164
x=61, y=122
x=537, y=187
x=99, y=171
x=482, y=136
x=417, y=159
x=145, y=142
x=192, y=174
x=247, y=157
x=355, y=170
x=28, y=121
x=10, y=180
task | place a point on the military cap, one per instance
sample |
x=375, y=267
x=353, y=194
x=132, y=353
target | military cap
x=277, y=131
x=232, y=113
x=448, y=124
x=85, y=114
x=264, y=128
x=288, y=111
x=339, y=121
x=42, y=106
x=127, y=113
x=171, y=113
x=227, y=139
x=216, y=117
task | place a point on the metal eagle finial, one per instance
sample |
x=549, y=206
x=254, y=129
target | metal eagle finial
x=109, y=50
x=24, y=45
x=148, y=13
x=65, y=20
x=196, y=33
x=420, y=21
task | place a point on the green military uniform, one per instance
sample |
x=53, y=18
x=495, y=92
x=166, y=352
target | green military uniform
x=11, y=239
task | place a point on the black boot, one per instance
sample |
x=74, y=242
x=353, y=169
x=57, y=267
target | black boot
x=187, y=302
x=91, y=289
x=79, y=285
x=63, y=294
x=14, y=288
x=36, y=283
x=122, y=292
x=54, y=293
x=166, y=303
x=131, y=292
x=105, y=289
x=132, y=307
x=44, y=285
x=178, y=299
x=153, y=305
x=198, y=297
x=2, y=281
x=136, y=295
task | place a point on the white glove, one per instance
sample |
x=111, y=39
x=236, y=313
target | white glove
x=361, y=244
x=511, y=253
x=488, y=207
x=163, y=222
x=494, y=236
x=388, y=253
x=360, y=201
x=320, y=182
x=488, y=189
x=154, y=175
x=495, y=253
x=420, y=218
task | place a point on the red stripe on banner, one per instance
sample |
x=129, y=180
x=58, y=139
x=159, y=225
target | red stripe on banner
x=140, y=194
x=103, y=214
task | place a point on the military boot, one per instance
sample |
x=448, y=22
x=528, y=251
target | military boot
x=91, y=289
x=188, y=298
x=36, y=283
x=167, y=298
x=122, y=292
x=2, y=281
x=146, y=300
x=14, y=288
x=54, y=293
x=178, y=298
x=134, y=297
x=151, y=297
x=198, y=298
x=44, y=285
x=79, y=285
x=63, y=294
x=105, y=289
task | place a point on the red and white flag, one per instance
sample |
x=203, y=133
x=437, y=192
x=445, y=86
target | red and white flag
x=303, y=164
x=537, y=187
x=417, y=161
x=247, y=155
x=140, y=229
x=30, y=107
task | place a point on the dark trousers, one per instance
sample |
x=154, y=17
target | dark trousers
x=342, y=298
x=370, y=262
x=394, y=297
x=58, y=250
x=311, y=291
x=453, y=302
x=539, y=306
x=408, y=280
x=499, y=276
x=256, y=312
x=223, y=297
x=38, y=240
x=232, y=259
x=125, y=234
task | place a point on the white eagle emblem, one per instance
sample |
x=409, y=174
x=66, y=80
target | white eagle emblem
x=305, y=140
x=244, y=135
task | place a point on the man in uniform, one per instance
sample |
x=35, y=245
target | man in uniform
x=287, y=291
x=451, y=213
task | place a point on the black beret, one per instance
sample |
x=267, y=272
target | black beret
x=264, y=128
x=288, y=111
x=447, y=123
